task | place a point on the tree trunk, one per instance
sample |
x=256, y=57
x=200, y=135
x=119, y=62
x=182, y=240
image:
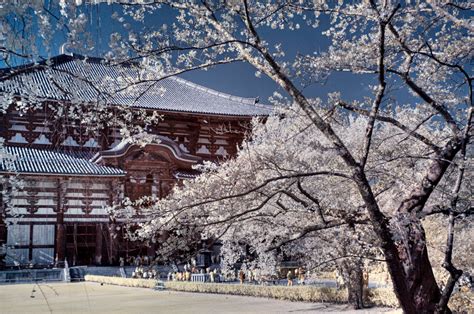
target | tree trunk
x=422, y=283
x=352, y=275
x=423, y=293
x=409, y=266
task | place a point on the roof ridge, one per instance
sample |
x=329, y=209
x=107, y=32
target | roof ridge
x=75, y=64
x=244, y=100
x=9, y=72
x=55, y=59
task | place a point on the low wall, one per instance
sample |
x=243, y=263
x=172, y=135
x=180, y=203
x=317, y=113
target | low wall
x=31, y=275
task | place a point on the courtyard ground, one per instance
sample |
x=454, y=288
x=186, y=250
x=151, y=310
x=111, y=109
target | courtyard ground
x=88, y=297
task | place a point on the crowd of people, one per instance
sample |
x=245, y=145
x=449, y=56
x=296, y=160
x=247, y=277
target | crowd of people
x=150, y=272
x=145, y=273
x=186, y=275
x=145, y=269
x=144, y=266
x=298, y=274
x=253, y=276
x=136, y=261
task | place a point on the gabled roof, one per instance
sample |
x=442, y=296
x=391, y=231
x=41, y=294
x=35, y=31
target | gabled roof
x=84, y=80
x=124, y=146
x=42, y=161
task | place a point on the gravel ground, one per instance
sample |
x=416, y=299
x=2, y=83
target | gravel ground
x=88, y=297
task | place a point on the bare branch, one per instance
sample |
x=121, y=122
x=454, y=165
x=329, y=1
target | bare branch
x=378, y=98
x=315, y=228
x=417, y=89
x=313, y=199
x=257, y=188
x=392, y=121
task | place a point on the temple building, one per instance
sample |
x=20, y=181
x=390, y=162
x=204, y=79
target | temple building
x=72, y=168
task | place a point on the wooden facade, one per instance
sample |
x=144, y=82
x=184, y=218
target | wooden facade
x=71, y=175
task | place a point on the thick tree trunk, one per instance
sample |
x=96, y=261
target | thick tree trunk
x=416, y=286
x=352, y=275
x=406, y=255
x=423, y=288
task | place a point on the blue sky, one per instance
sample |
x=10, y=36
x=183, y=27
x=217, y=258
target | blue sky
x=238, y=78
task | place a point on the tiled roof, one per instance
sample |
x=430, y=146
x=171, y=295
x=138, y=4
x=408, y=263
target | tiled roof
x=186, y=174
x=79, y=79
x=43, y=161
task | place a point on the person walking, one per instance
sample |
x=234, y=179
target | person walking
x=241, y=276
x=301, y=280
x=289, y=276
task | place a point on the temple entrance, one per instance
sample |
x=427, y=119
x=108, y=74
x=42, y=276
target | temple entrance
x=80, y=244
x=136, y=190
x=85, y=255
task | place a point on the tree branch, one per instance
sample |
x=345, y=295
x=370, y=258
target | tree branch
x=454, y=273
x=392, y=121
x=255, y=189
x=314, y=228
x=313, y=199
x=378, y=98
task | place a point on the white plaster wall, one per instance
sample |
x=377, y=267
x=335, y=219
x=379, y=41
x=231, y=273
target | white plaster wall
x=18, y=235
x=43, y=255
x=16, y=256
x=43, y=234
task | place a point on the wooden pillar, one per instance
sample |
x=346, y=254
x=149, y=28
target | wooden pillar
x=113, y=249
x=116, y=187
x=30, y=244
x=5, y=125
x=98, y=244
x=60, y=238
x=3, y=224
x=105, y=138
x=3, y=239
x=193, y=136
x=3, y=231
x=74, y=255
x=60, y=243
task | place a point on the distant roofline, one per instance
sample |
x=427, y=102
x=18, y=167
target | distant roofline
x=244, y=100
x=62, y=58
x=55, y=60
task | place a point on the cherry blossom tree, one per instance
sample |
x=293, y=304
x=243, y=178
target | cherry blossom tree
x=423, y=49
x=336, y=165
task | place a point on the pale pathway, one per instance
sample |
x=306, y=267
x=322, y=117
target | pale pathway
x=94, y=298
